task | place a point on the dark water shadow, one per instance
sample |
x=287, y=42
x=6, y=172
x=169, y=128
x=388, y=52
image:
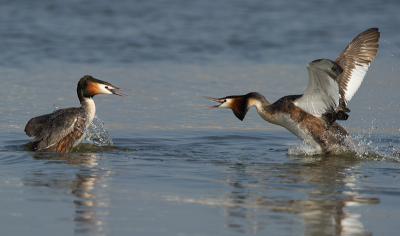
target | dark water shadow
x=93, y=148
x=81, y=148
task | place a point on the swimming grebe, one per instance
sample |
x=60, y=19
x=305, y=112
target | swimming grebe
x=63, y=129
x=331, y=85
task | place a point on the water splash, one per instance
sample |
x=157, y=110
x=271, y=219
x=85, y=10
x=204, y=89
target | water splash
x=300, y=149
x=346, y=145
x=377, y=147
x=97, y=133
x=369, y=146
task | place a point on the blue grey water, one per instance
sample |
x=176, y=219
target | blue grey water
x=172, y=167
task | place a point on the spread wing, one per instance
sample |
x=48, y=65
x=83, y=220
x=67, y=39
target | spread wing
x=49, y=129
x=355, y=60
x=322, y=93
x=332, y=84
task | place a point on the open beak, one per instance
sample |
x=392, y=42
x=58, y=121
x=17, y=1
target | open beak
x=112, y=90
x=220, y=100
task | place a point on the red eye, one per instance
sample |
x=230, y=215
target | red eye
x=225, y=100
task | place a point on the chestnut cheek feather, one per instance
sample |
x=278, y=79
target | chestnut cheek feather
x=92, y=89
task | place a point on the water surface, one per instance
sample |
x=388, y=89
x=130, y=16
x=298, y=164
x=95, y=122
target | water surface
x=175, y=168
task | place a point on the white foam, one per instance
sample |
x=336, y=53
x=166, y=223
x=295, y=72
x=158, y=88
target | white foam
x=97, y=133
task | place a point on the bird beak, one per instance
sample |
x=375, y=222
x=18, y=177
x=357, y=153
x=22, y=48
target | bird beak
x=220, y=100
x=112, y=90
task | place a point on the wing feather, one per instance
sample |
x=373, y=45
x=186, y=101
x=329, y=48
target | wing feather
x=332, y=84
x=322, y=93
x=355, y=60
x=49, y=129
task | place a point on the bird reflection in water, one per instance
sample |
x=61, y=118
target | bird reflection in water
x=323, y=190
x=86, y=185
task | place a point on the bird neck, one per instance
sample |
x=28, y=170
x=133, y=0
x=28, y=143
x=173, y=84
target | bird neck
x=261, y=104
x=241, y=104
x=257, y=100
x=90, y=109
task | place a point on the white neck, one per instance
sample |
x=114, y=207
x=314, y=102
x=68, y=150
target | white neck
x=88, y=105
x=261, y=109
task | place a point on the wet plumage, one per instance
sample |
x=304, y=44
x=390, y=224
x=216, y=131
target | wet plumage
x=63, y=129
x=312, y=116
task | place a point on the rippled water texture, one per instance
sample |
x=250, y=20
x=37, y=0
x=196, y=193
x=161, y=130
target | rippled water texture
x=157, y=162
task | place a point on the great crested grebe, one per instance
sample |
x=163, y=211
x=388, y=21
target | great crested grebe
x=331, y=85
x=63, y=129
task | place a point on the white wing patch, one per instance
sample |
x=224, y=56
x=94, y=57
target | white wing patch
x=322, y=93
x=356, y=77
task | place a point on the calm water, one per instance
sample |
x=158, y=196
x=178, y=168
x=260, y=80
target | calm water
x=175, y=168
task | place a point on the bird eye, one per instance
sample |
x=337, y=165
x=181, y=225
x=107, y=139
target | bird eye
x=224, y=100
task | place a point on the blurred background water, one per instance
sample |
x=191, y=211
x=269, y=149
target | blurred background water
x=174, y=167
